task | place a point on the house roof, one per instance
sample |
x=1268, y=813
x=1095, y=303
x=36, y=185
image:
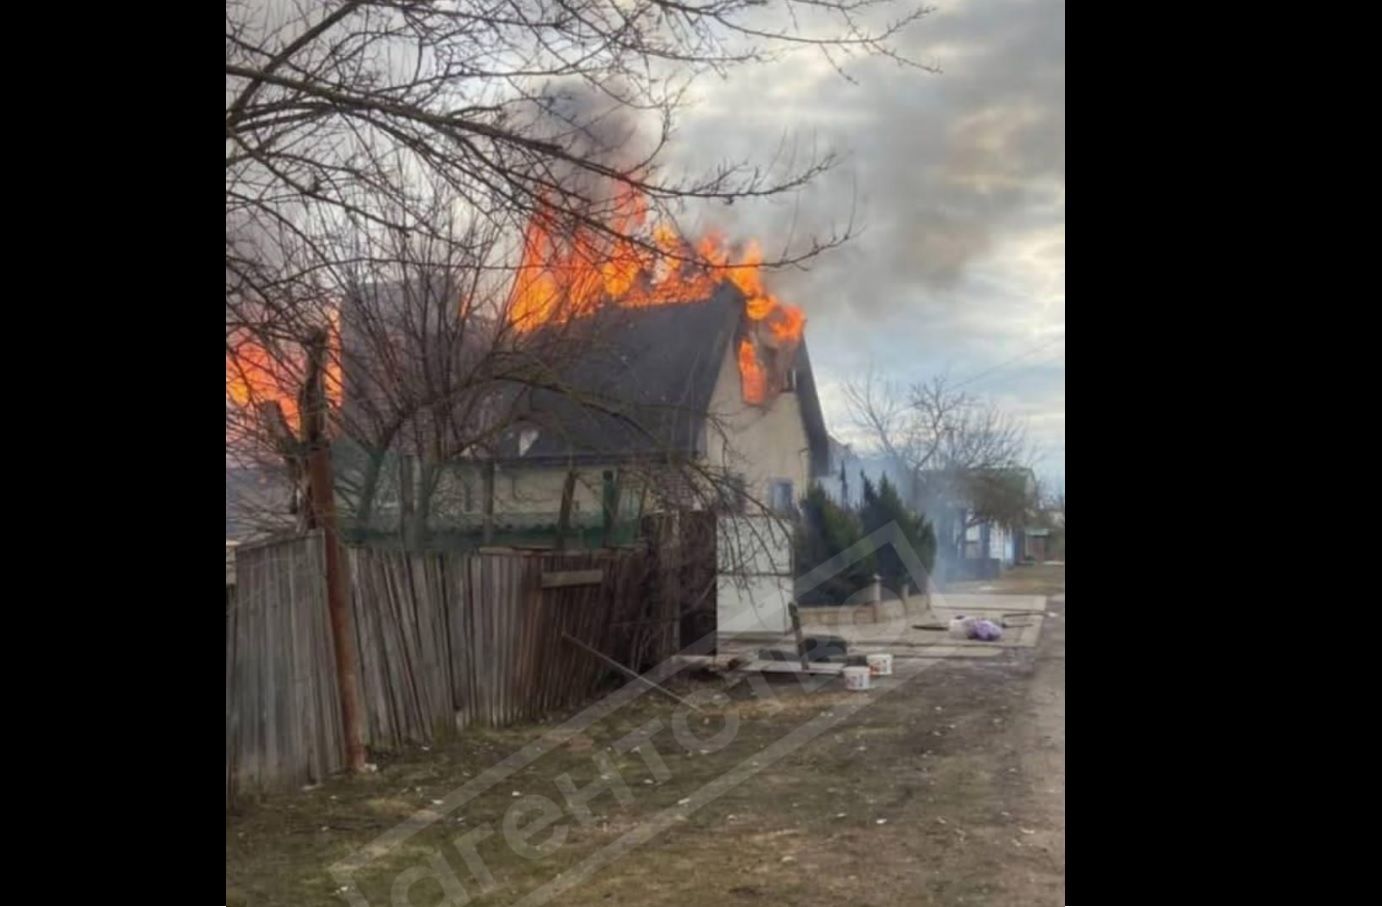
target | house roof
x=645, y=386
x=641, y=388
x=636, y=383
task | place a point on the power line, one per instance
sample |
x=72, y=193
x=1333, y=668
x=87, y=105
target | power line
x=1040, y=362
x=1002, y=365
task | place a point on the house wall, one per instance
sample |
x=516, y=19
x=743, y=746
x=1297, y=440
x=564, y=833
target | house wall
x=522, y=496
x=760, y=443
x=1002, y=545
x=537, y=489
x=532, y=494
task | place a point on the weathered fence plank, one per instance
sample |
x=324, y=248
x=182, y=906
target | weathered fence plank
x=444, y=639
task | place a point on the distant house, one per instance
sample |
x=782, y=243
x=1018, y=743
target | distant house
x=981, y=516
x=995, y=541
x=996, y=514
x=1041, y=540
x=1035, y=542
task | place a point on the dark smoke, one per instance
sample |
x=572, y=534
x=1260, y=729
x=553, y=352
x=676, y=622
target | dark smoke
x=936, y=163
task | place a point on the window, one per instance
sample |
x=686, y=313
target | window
x=732, y=494
x=781, y=499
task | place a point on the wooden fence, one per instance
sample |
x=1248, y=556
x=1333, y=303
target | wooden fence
x=282, y=712
x=445, y=640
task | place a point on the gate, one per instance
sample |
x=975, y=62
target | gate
x=754, y=586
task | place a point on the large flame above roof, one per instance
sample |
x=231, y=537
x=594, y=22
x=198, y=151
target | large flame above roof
x=627, y=261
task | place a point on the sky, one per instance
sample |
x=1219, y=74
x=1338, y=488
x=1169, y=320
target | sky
x=956, y=182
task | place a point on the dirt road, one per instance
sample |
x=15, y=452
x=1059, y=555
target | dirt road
x=949, y=789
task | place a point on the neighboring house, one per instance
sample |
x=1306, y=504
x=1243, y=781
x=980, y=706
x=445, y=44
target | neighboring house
x=1042, y=540
x=980, y=515
x=994, y=541
x=1035, y=544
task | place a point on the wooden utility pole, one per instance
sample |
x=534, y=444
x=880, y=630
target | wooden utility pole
x=323, y=497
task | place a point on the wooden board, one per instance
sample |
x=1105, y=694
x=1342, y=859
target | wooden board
x=562, y=578
x=766, y=666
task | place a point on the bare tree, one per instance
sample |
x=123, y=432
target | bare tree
x=963, y=460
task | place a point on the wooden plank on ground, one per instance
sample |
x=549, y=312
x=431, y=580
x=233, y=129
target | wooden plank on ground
x=766, y=666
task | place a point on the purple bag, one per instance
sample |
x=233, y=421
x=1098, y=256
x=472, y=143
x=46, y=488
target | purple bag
x=985, y=630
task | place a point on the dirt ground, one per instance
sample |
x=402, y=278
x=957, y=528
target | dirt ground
x=947, y=788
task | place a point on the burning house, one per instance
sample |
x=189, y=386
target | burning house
x=667, y=395
x=619, y=376
x=686, y=362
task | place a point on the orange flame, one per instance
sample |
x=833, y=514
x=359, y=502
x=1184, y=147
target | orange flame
x=751, y=374
x=256, y=376
x=568, y=273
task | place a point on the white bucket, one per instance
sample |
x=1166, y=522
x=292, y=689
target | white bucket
x=880, y=665
x=856, y=678
x=958, y=628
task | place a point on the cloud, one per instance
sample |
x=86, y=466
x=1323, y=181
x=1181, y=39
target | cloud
x=958, y=181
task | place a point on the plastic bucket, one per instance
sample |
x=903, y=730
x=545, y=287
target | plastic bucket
x=856, y=678
x=880, y=665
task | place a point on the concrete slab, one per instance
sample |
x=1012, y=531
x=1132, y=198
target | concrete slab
x=932, y=652
x=1026, y=614
x=970, y=603
x=900, y=636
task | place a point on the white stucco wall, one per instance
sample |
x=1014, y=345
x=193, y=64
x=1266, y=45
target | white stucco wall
x=537, y=489
x=532, y=494
x=760, y=443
